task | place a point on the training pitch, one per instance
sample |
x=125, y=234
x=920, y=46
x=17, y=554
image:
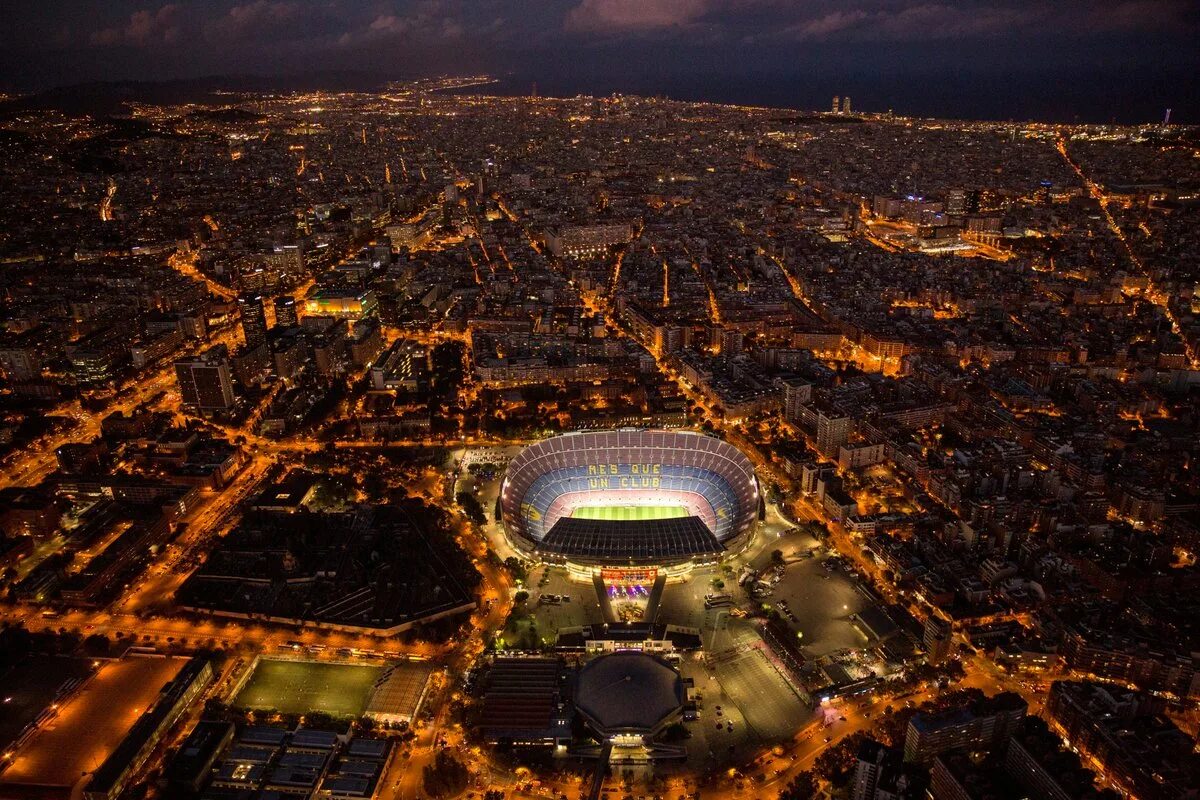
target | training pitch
x=629, y=513
x=298, y=687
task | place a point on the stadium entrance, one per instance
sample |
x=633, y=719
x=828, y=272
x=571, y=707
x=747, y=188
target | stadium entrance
x=628, y=577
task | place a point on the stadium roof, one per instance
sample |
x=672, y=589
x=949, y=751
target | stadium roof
x=628, y=692
x=641, y=540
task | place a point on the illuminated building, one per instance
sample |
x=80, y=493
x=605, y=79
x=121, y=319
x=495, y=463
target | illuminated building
x=619, y=502
x=588, y=241
x=254, y=318
x=112, y=776
x=979, y=727
x=352, y=304
x=286, y=314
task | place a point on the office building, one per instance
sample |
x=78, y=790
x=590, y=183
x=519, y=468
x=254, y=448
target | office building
x=254, y=318
x=287, y=314
x=206, y=382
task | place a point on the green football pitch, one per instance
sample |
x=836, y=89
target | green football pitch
x=297, y=687
x=629, y=513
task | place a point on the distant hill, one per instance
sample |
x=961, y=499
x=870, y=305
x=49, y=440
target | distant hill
x=111, y=97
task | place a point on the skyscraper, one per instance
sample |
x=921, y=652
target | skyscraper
x=205, y=382
x=938, y=639
x=286, y=314
x=956, y=202
x=834, y=108
x=254, y=318
x=846, y=104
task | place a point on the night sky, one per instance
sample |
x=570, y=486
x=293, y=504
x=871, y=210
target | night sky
x=1097, y=60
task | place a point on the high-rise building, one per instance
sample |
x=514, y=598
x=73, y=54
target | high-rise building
x=834, y=107
x=956, y=202
x=881, y=774
x=254, y=318
x=874, y=759
x=846, y=104
x=797, y=392
x=286, y=313
x=938, y=639
x=833, y=430
x=206, y=382
x=980, y=726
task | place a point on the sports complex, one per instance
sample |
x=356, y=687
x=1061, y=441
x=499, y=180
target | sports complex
x=629, y=504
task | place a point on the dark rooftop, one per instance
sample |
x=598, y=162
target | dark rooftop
x=628, y=691
x=643, y=540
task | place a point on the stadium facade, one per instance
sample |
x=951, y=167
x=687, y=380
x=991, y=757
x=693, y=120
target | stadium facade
x=629, y=501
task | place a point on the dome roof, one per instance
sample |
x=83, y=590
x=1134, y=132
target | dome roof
x=628, y=692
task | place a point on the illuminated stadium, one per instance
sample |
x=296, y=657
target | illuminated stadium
x=629, y=498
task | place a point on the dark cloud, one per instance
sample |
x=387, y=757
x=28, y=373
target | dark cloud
x=145, y=28
x=259, y=19
x=880, y=19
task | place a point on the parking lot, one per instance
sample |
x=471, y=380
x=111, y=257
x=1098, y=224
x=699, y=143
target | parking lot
x=820, y=595
x=746, y=704
x=581, y=609
x=770, y=708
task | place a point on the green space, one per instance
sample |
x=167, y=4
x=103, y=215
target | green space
x=629, y=513
x=298, y=687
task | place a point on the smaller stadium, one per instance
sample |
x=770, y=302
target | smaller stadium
x=387, y=693
x=299, y=687
x=655, y=501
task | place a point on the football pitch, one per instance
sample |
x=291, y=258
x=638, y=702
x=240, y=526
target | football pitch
x=297, y=687
x=629, y=513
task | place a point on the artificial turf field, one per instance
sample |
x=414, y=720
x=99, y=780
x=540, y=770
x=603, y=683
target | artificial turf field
x=297, y=687
x=629, y=513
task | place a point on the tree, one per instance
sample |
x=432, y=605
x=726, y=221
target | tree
x=446, y=776
x=776, y=556
x=521, y=597
x=837, y=762
x=471, y=508
x=801, y=787
x=516, y=568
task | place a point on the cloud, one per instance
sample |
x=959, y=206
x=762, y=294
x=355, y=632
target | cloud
x=915, y=22
x=879, y=20
x=251, y=19
x=826, y=24
x=1142, y=15
x=144, y=27
x=426, y=20
x=634, y=15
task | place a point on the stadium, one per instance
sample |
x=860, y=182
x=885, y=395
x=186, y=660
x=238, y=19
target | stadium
x=654, y=501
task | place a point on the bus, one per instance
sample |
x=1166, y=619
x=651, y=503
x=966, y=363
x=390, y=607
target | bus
x=717, y=600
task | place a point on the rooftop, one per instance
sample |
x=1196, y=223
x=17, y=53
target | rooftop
x=628, y=691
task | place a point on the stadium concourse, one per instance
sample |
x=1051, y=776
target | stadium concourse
x=629, y=505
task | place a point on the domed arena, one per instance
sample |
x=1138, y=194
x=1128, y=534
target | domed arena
x=629, y=497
